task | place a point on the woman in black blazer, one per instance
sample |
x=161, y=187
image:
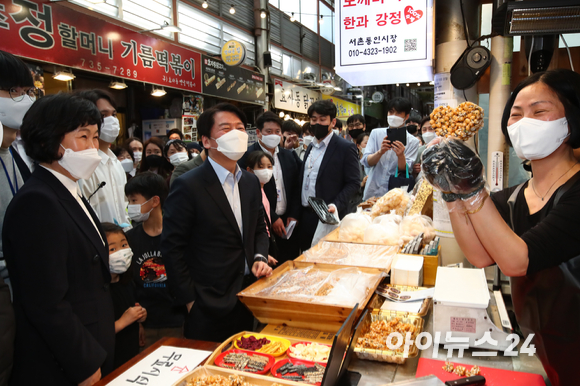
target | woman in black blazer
x=57, y=253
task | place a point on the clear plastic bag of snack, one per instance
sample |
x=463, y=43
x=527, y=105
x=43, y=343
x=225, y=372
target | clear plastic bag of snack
x=416, y=224
x=360, y=255
x=385, y=234
x=392, y=217
x=348, y=286
x=297, y=283
x=396, y=200
x=352, y=227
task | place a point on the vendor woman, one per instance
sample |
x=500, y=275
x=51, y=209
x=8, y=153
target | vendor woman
x=531, y=231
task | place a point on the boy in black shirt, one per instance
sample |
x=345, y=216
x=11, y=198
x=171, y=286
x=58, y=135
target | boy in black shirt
x=146, y=193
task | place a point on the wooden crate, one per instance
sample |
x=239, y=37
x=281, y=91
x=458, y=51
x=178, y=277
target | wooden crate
x=333, y=237
x=299, y=313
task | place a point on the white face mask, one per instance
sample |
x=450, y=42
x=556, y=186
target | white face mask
x=134, y=212
x=1, y=133
x=271, y=141
x=178, y=158
x=120, y=261
x=80, y=164
x=534, y=139
x=127, y=165
x=395, y=121
x=12, y=113
x=110, y=129
x=428, y=136
x=233, y=144
x=307, y=140
x=264, y=175
x=193, y=155
x=137, y=155
x=335, y=131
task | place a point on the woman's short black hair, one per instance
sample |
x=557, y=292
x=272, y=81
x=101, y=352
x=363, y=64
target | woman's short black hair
x=118, y=150
x=566, y=85
x=50, y=118
x=255, y=157
x=95, y=94
x=206, y=119
x=128, y=141
x=14, y=72
x=178, y=144
x=423, y=121
x=323, y=107
x=148, y=184
x=360, y=138
x=399, y=105
x=175, y=131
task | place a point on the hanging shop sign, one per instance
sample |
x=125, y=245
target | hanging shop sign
x=289, y=97
x=232, y=82
x=56, y=34
x=233, y=53
x=344, y=109
x=384, y=42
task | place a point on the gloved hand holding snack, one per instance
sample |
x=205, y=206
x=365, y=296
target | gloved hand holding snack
x=454, y=169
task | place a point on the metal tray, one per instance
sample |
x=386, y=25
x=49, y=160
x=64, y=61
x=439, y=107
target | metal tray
x=389, y=355
x=377, y=300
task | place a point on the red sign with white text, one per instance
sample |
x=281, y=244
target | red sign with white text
x=56, y=34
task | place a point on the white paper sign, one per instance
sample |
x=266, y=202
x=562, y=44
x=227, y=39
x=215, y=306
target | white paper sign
x=288, y=96
x=162, y=367
x=384, y=41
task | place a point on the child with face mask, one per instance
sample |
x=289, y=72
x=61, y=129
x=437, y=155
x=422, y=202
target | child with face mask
x=147, y=192
x=128, y=313
x=261, y=164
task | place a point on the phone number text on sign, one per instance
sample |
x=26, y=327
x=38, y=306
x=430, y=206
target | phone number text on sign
x=397, y=31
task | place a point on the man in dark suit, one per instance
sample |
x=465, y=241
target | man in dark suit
x=330, y=170
x=283, y=190
x=214, y=238
x=57, y=253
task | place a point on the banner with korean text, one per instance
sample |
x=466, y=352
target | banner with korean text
x=290, y=97
x=53, y=33
x=384, y=41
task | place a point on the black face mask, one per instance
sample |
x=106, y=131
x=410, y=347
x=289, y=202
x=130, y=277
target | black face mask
x=354, y=133
x=154, y=160
x=412, y=129
x=319, y=131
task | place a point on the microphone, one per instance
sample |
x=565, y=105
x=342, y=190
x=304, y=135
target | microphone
x=96, y=190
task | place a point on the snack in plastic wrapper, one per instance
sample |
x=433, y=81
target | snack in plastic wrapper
x=388, y=218
x=416, y=224
x=353, y=226
x=359, y=255
x=386, y=234
x=395, y=199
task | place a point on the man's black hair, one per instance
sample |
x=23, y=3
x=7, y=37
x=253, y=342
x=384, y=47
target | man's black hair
x=148, y=184
x=414, y=117
x=175, y=131
x=291, y=126
x=323, y=107
x=50, y=118
x=354, y=118
x=206, y=119
x=338, y=124
x=111, y=228
x=399, y=105
x=95, y=94
x=268, y=116
x=14, y=72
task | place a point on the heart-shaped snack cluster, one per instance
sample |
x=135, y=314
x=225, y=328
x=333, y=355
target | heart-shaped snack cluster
x=461, y=123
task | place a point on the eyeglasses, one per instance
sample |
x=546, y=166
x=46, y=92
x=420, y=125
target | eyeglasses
x=353, y=125
x=18, y=96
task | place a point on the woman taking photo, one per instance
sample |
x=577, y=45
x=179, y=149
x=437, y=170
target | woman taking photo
x=57, y=252
x=530, y=231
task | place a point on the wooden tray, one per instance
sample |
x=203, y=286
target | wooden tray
x=333, y=237
x=430, y=264
x=314, y=316
x=378, y=300
x=386, y=248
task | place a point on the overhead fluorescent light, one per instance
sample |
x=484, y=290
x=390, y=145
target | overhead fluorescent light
x=64, y=75
x=165, y=27
x=337, y=89
x=537, y=17
x=158, y=92
x=118, y=85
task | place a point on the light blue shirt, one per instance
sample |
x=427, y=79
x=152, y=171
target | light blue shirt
x=378, y=176
x=231, y=189
x=311, y=167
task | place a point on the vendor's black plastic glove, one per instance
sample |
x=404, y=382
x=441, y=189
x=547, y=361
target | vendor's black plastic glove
x=453, y=168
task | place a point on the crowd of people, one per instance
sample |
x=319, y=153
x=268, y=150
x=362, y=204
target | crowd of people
x=109, y=245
